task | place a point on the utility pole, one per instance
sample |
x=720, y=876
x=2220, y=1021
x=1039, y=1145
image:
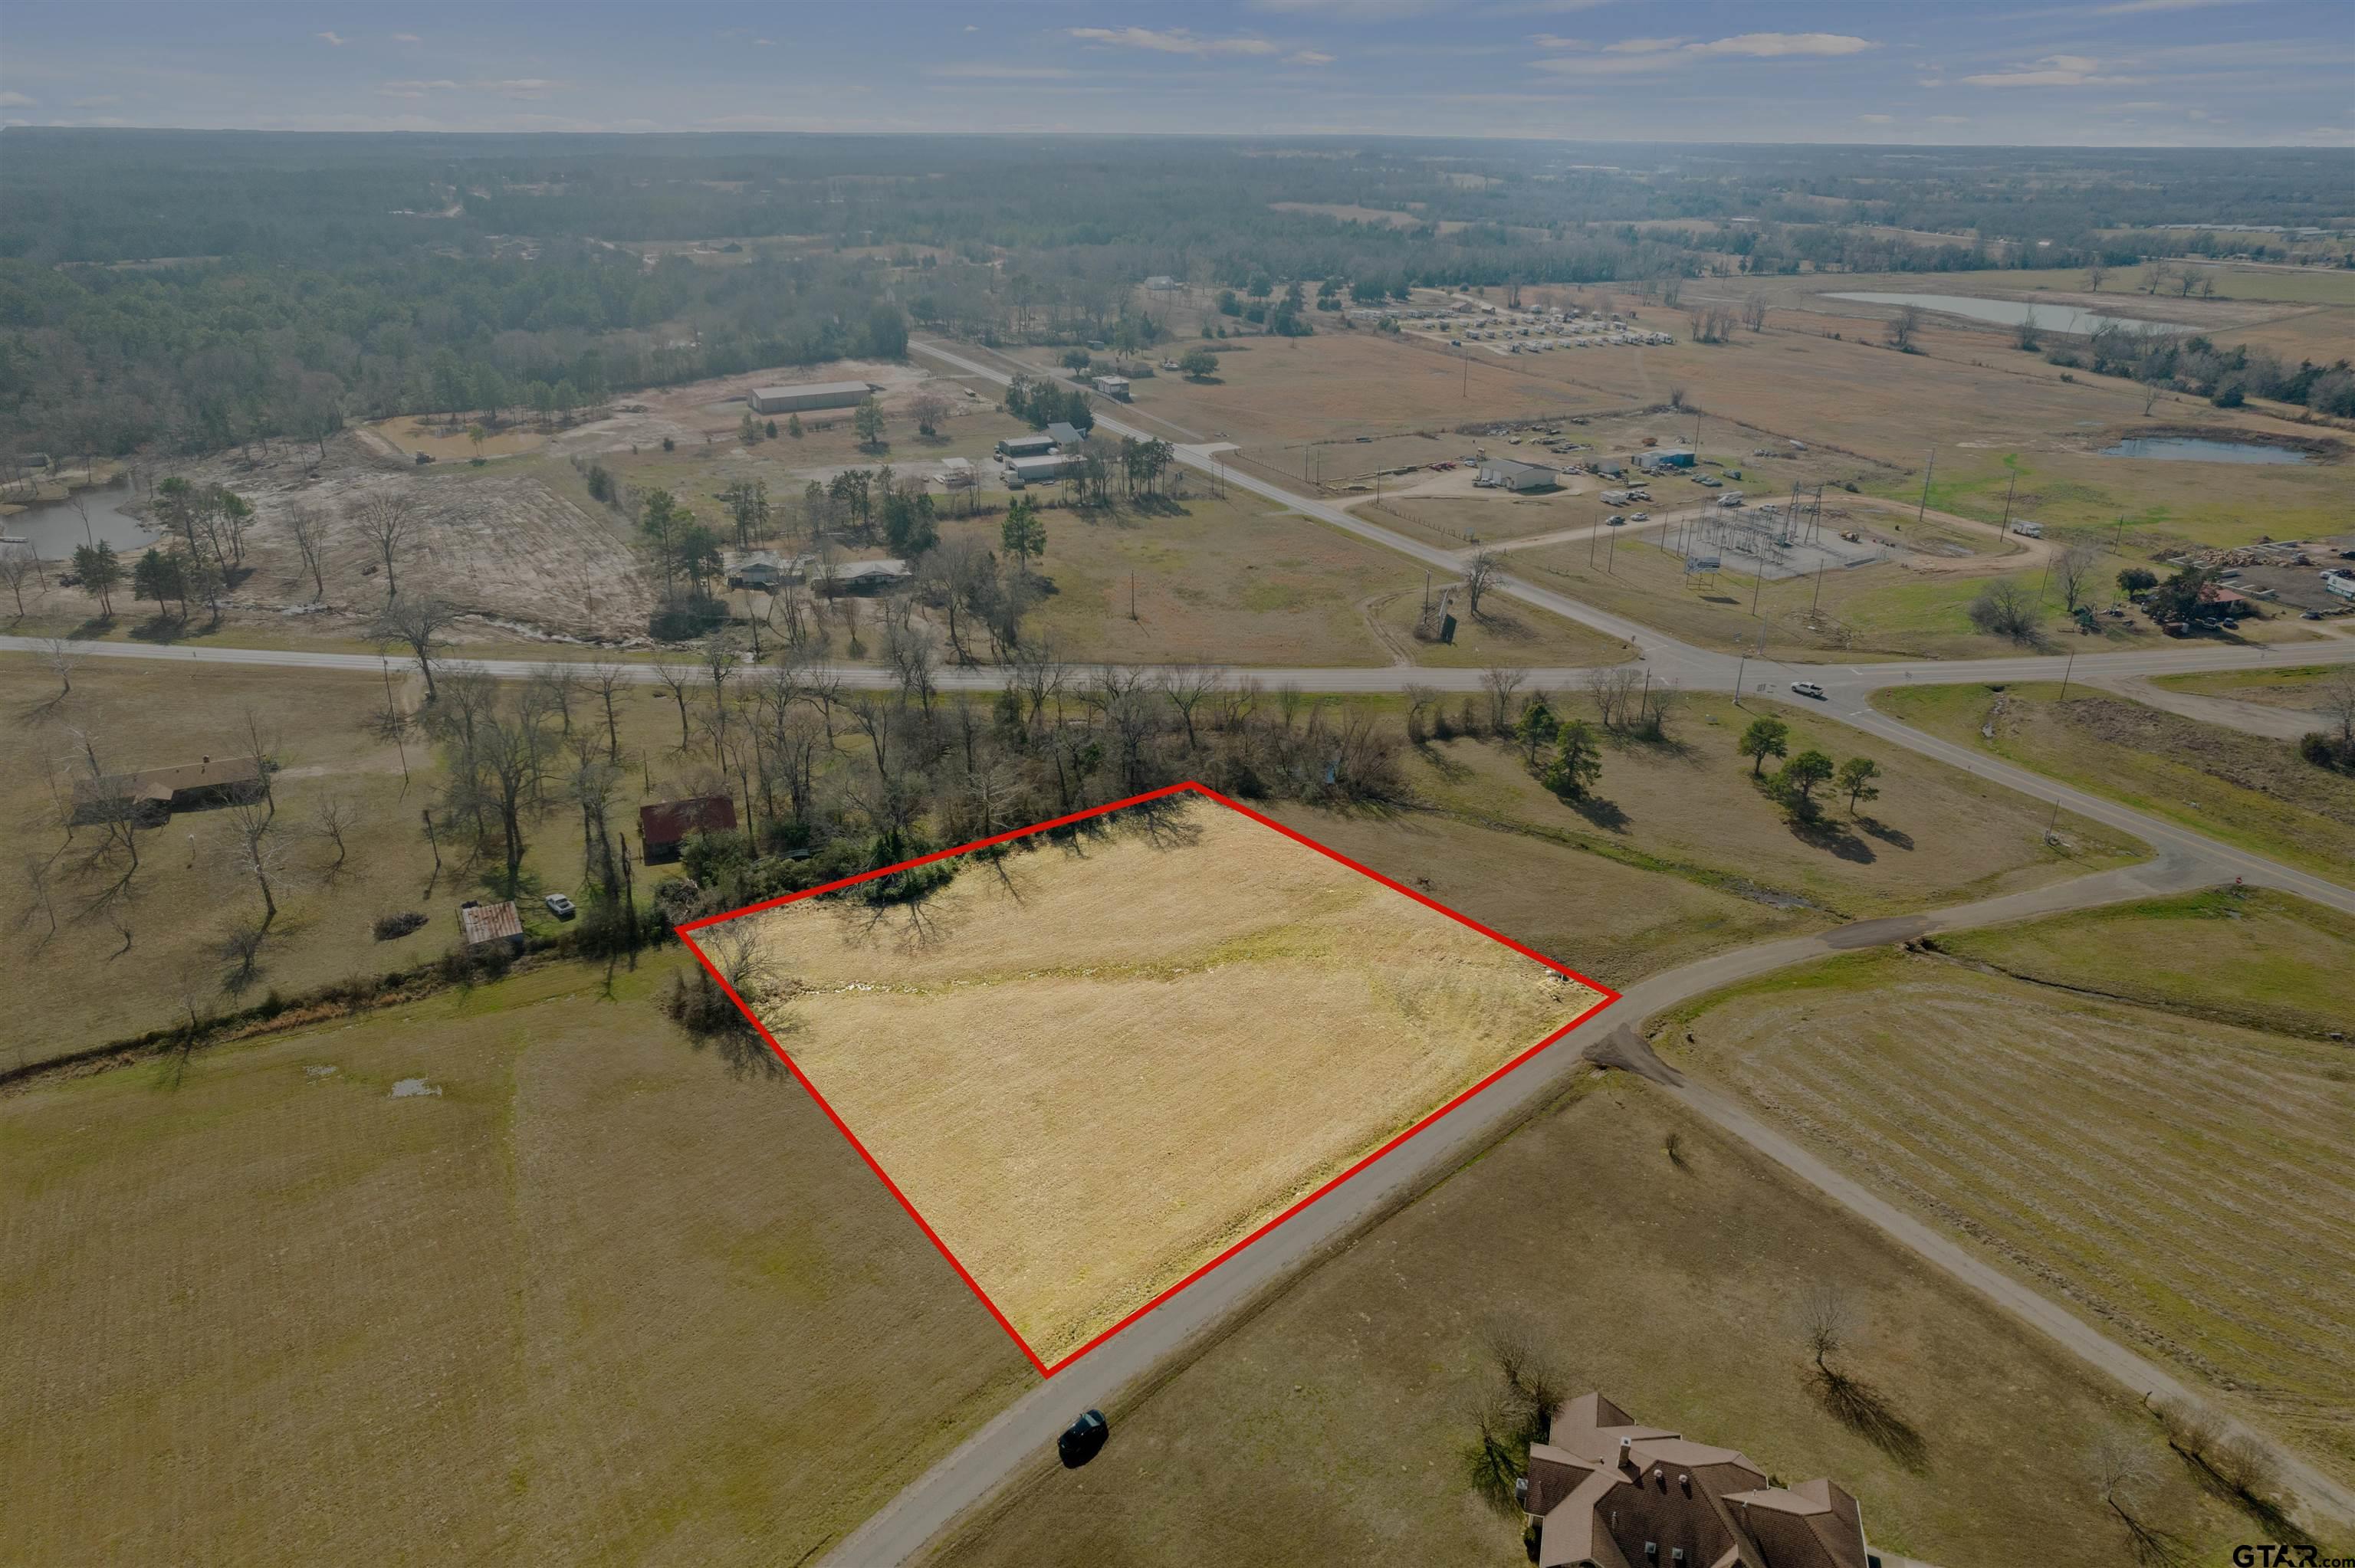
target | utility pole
x=1757, y=583
x=1819, y=590
x=1738, y=671
x=2008, y=489
x=1927, y=475
x=2069, y=670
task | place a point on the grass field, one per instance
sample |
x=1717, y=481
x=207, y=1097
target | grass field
x=431, y=434
x=2242, y=788
x=2298, y=687
x=1622, y=921
x=2170, y=1179
x=1234, y=582
x=1935, y=836
x=2247, y=955
x=129, y=964
x=1328, y=1428
x=1200, y=996
x=589, y=1298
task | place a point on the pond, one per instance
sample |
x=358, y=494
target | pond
x=2192, y=448
x=2066, y=319
x=54, y=528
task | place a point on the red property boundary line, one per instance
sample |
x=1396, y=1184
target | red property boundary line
x=1608, y=996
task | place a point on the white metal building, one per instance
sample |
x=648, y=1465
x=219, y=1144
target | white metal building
x=810, y=394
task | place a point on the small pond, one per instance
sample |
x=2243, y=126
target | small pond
x=2193, y=449
x=2065, y=318
x=54, y=528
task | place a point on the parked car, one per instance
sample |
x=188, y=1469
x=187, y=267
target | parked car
x=560, y=906
x=1082, y=1440
x=1641, y=517
x=1808, y=689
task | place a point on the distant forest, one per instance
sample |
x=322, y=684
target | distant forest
x=204, y=289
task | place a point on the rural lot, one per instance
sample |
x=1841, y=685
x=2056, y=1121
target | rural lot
x=876, y=788
x=1020, y=1049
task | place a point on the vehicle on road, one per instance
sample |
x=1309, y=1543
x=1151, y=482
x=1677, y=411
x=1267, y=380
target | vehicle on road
x=560, y=906
x=1641, y=517
x=1082, y=1440
x=1808, y=689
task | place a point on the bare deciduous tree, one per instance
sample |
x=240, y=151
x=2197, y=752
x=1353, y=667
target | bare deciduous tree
x=2074, y=572
x=417, y=623
x=18, y=562
x=335, y=816
x=2338, y=703
x=1825, y=1324
x=1904, y=326
x=1500, y=684
x=314, y=531
x=388, y=522
x=1479, y=575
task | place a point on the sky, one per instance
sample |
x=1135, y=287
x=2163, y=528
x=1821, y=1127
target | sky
x=2106, y=73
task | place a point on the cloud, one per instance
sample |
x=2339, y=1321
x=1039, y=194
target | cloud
x=764, y=43
x=1878, y=119
x=407, y=39
x=1170, y=41
x=2128, y=7
x=1950, y=120
x=1556, y=41
x=1774, y=46
x=1308, y=57
x=104, y=101
x=2051, y=71
x=983, y=70
x=1639, y=57
x=336, y=39
x=517, y=85
x=16, y=100
x=971, y=28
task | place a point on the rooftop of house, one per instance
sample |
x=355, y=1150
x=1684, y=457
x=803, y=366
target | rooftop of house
x=668, y=821
x=808, y=389
x=1613, y=1493
x=490, y=922
x=161, y=783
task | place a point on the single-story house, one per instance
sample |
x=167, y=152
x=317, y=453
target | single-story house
x=857, y=576
x=958, y=473
x=1114, y=387
x=156, y=792
x=1026, y=446
x=1066, y=434
x=1504, y=473
x=666, y=824
x=804, y=395
x=761, y=570
x=1606, y=1492
x=481, y=923
x=1161, y=283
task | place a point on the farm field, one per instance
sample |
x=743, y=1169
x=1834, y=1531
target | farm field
x=2242, y=788
x=1935, y=835
x=136, y=962
x=1233, y=582
x=588, y=1296
x=2170, y=1179
x=1331, y=1426
x=435, y=436
x=1340, y=385
x=1168, y=996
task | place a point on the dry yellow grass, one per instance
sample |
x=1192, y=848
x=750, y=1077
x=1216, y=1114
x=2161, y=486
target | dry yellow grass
x=1206, y=1001
x=592, y=1300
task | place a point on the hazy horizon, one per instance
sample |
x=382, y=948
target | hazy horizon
x=2134, y=73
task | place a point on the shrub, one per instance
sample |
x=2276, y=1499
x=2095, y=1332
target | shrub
x=2005, y=609
x=390, y=927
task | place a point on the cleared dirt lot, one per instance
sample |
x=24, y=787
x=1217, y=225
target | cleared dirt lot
x=1191, y=994
x=581, y=1295
x=1331, y=1427
x=2172, y=1178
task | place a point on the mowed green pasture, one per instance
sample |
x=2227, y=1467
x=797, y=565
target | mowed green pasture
x=2170, y=1179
